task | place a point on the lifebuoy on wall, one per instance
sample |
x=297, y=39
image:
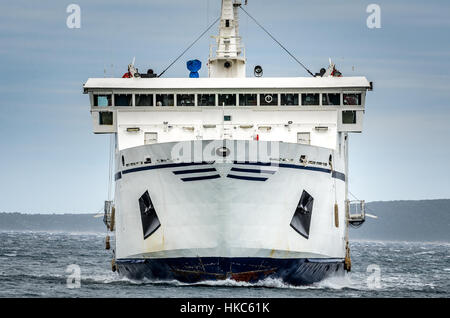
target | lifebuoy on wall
x=268, y=99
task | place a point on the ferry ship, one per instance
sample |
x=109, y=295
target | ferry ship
x=230, y=177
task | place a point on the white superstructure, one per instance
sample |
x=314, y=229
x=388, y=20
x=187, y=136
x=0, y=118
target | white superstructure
x=230, y=169
x=184, y=117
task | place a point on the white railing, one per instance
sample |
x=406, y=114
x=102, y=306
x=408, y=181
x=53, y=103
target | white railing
x=356, y=211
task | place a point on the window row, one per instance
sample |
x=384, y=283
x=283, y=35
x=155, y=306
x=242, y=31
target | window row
x=304, y=99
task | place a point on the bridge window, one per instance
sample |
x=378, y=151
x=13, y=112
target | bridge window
x=102, y=100
x=227, y=99
x=268, y=99
x=349, y=117
x=248, y=99
x=289, y=99
x=105, y=118
x=185, y=99
x=165, y=100
x=352, y=99
x=123, y=100
x=144, y=99
x=310, y=99
x=206, y=99
x=331, y=99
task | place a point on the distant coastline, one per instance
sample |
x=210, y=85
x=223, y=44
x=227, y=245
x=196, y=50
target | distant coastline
x=424, y=221
x=407, y=220
x=85, y=223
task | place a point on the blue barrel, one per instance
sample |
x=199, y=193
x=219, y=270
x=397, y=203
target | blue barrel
x=194, y=66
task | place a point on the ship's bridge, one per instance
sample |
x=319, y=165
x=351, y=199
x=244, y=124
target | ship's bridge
x=296, y=110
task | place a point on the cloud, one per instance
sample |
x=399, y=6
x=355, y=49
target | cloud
x=45, y=65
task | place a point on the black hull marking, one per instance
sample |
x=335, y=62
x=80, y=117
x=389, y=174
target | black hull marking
x=165, y=166
x=194, y=171
x=253, y=171
x=246, y=178
x=216, y=176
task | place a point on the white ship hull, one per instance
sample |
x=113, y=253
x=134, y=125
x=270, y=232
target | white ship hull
x=219, y=217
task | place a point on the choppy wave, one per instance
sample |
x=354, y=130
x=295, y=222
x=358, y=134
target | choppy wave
x=33, y=264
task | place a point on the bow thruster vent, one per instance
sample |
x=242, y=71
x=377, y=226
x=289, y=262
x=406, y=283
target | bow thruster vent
x=150, y=221
x=301, y=220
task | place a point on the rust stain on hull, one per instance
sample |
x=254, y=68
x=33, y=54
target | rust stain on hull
x=238, y=277
x=251, y=276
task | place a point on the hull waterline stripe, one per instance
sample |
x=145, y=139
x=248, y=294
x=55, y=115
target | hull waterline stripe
x=246, y=178
x=334, y=174
x=216, y=176
x=283, y=165
x=169, y=165
x=253, y=170
x=194, y=171
x=309, y=260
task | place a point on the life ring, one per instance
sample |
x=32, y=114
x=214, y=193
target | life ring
x=268, y=99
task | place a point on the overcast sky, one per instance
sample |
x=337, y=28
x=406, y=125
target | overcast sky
x=53, y=163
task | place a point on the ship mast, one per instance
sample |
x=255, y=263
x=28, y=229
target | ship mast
x=228, y=60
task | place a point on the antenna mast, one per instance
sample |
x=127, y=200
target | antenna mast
x=228, y=60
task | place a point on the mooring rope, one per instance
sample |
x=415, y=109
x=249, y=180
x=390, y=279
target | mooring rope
x=278, y=42
x=193, y=43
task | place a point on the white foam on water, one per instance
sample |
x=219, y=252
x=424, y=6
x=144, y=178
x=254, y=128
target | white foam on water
x=336, y=283
x=108, y=278
x=13, y=254
x=267, y=283
x=425, y=253
x=406, y=282
x=340, y=282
